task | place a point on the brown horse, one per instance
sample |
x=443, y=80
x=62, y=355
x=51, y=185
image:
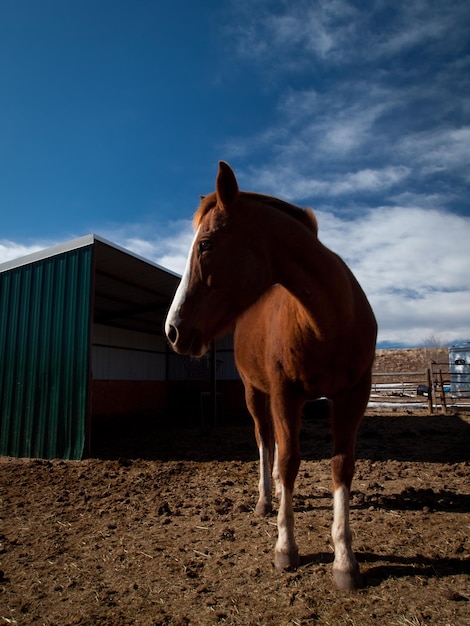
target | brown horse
x=303, y=330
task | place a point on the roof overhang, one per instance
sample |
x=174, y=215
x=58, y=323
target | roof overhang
x=128, y=291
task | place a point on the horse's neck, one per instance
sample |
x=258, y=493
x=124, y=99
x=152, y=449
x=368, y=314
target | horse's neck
x=317, y=278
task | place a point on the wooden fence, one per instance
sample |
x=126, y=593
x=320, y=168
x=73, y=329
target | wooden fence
x=432, y=389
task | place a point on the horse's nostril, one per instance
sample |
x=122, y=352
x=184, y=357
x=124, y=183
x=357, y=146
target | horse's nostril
x=172, y=334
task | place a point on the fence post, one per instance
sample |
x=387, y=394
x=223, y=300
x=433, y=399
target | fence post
x=429, y=380
x=443, y=393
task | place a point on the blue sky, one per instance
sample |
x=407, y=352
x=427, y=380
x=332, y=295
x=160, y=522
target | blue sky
x=114, y=114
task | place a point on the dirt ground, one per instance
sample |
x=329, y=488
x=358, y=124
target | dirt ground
x=160, y=529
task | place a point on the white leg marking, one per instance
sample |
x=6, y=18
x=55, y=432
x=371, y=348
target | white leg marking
x=173, y=318
x=345, y=560
x=286, y=552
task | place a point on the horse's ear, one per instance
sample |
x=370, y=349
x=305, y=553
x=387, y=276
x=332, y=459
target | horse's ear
x=226, y=186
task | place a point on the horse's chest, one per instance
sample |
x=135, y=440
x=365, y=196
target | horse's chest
x=272, y=345
x=263, y=354
x=266, y=359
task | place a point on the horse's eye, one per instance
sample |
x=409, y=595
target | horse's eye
x=204, y=246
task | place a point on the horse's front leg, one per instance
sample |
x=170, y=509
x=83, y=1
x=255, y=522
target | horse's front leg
x=347, y=413
x=346, y=574
x=286, y=553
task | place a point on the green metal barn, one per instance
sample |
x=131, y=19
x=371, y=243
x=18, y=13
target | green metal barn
x=81, y=333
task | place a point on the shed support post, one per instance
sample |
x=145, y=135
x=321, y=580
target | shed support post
x=213, y=381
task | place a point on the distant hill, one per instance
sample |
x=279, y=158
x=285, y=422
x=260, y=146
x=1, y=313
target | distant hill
x=409, y=359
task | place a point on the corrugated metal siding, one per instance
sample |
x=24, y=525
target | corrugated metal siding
x=44, y=345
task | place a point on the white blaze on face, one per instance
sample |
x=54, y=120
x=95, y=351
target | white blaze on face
x=173, y=318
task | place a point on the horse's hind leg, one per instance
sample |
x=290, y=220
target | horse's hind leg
x=258, y=405
x=347, y=412
x=275, y=474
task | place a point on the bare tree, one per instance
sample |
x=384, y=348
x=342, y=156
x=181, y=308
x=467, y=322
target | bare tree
x=433, y=341
x=434, y=347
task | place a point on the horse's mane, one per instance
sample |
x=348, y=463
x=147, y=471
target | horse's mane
x=305, y=216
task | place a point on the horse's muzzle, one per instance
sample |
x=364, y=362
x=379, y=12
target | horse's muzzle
x=188, y=343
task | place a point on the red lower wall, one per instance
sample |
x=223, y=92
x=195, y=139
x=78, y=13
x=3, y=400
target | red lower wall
x=178, y=398
x=136, y=397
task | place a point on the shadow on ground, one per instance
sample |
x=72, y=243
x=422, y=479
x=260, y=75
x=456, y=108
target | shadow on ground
x=397, y=436
x=377, y=568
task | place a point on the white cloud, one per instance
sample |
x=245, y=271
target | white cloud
x=288, y=182
x=331, y=144
x=315, y=127
x=166, y=245
x=403, y=248
x=10, y=250
x=439, y=150
x=321, y=28
x=295, y=34
x=413, y=264
x=423, y=22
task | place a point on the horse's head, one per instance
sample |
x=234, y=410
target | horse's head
x=225, y=273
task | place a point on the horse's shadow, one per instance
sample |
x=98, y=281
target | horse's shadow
x=407, y=438
x=393, y=566
x=410, y=499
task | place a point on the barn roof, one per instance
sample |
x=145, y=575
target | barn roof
x=129, y=291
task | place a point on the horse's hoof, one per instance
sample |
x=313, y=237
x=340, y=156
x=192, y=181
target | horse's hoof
x=262, y=509
x=287, y=560
x=347, y=581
